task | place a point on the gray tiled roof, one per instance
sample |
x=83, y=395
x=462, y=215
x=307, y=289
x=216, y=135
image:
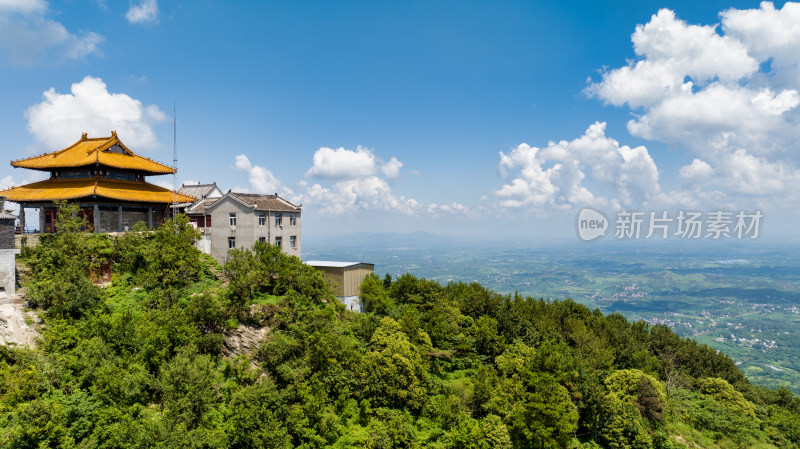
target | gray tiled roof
x=200, y=206
x=267, y=202
x=197, y=190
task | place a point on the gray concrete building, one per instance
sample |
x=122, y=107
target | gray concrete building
x=8, y=269
x=238, y=220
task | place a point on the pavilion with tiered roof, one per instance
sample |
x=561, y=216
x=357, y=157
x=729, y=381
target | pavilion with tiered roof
x=105, y=178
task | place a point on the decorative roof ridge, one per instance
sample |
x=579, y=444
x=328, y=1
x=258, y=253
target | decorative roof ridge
x=97, y=145
x=83, y=138
x=251, y=199
x=257, y=195
x=198, y=185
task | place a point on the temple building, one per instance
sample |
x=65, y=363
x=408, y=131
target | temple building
x=105, y=178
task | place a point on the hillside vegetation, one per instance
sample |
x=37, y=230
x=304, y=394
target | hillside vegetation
x=138, y=364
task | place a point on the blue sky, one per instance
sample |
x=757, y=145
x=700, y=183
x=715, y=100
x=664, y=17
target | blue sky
x=393, y=115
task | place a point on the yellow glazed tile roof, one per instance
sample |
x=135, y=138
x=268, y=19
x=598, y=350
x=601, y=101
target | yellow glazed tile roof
x=91, y=151
x=72, y=189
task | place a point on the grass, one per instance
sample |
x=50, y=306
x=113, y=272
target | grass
x=265, y=300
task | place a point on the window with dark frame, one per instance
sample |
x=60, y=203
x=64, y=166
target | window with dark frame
x=262, y=239
x=231, y=242
x=232, y=219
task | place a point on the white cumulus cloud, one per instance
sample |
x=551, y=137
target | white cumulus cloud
x=367, y=193
x=28, y=36
x=261, y=180
x=452, y=208
x=770, y=34
x=728, y=95
x=89, y=107
x=696, y=170
x=391, y=169
x=7, y=182
x=146, y=11
x=349, y=183
x=590, y=170
x=342, y=163
x=23, y=6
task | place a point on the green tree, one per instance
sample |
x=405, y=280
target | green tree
x=188, y=385
x=374, y=296
x=267, y=269
x=724, y=393
x=393, y=372
x=255, y=418
x=61, y=263
x=640, y=389
x=622, y=426
x=163, y=261
x=537, y=409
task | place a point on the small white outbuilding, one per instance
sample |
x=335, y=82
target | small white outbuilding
x=347, y=278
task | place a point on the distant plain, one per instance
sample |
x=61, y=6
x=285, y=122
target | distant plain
x=740, y=297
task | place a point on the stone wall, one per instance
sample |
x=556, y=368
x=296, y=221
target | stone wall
x=7, y=233
x=28, y=239
x=109, y=219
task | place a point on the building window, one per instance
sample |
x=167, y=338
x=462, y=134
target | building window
x=232, y=219
x=279, y=242
x=231, y=242
x=293, y=241
x=262, y=219
x=208, y=221
x=262, y=239
x=292, y=220
x=278, y=219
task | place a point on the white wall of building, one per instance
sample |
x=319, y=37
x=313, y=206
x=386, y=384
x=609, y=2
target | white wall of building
x=249, y=229
x=8, y=273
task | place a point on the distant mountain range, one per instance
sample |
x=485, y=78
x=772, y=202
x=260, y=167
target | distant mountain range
x=384, y=240
x=422, y=239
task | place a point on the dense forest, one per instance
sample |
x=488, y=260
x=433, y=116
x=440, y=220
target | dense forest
x=139, y=363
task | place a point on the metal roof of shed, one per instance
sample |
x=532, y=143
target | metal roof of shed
x=334, y=264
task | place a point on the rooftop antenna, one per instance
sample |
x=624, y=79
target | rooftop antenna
x=174, y=162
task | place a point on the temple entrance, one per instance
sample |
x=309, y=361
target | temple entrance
x=88, y=216
x=51, y=217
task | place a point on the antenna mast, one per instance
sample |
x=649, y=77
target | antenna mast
x=174, y=161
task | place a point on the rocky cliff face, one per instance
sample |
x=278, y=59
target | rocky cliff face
x=17, y=327
x=243, y=340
